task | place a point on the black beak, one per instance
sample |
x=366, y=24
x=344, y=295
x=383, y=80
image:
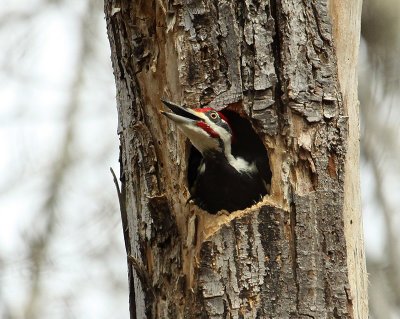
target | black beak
x=179, y=112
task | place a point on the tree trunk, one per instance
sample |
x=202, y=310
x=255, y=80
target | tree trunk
x=298, y=253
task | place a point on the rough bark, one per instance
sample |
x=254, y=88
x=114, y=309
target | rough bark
x=299, y=252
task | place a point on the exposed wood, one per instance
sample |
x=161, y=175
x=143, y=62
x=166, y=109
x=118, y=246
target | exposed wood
x=275, y=63
x=346, y=30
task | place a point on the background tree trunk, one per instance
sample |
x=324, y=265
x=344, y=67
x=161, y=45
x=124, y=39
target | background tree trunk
x=299, y=252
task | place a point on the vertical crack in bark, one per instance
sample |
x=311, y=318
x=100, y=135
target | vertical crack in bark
x=220, y=43
x=327, y=291
x=247, y=50
x=318, y=23
x=276, y=47
x=293, y=251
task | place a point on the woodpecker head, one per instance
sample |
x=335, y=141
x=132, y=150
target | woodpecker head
x=207, y=129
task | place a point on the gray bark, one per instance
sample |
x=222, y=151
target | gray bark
x=275, y=63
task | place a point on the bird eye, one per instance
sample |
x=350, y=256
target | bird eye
x=213, y=115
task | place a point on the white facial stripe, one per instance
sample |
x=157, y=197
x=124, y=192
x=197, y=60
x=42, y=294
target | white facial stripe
x=242, y=165
x=223, y=133
x=238, y=163
x=179, y=119
x=202, y=168
x=202, y=115
x=202, y=142
x=199, y=138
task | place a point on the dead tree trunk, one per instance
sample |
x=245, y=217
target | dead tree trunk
x=298, y=253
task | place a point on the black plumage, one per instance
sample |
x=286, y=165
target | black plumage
x=219, y=185
x=228, y=165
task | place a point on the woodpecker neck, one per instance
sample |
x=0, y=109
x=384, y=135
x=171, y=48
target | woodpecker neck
x=224, y=155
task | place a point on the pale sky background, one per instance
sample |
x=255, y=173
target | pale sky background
x=85, y=272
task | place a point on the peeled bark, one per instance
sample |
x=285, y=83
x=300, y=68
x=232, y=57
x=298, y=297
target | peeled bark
x=298, y=253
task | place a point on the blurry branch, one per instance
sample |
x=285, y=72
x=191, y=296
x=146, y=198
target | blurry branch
x=18, y=17
x=380, y=139
x=378, y=134
x=10, y=20
x=380, y=294
x=380, y=143
x=391, y=253
x=39, y=243
x=9, y=17
x=380, y=29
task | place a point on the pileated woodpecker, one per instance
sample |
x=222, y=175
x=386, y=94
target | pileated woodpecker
x=233, y=171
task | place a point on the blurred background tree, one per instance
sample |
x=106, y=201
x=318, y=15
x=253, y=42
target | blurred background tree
x=61, y=246
x=379, y=94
